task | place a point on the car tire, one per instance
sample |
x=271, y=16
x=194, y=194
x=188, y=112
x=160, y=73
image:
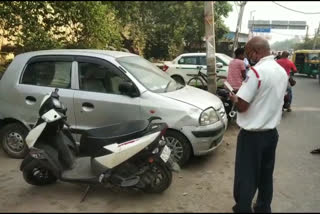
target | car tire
x=179, y=145
x=14, y=132
x=178, y=79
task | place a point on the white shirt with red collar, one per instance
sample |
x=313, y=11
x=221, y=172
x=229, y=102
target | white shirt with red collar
x=264, y=89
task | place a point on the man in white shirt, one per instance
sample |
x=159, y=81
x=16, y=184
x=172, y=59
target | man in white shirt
x=259, y=102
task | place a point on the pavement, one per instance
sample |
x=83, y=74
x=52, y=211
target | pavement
x=205, y=184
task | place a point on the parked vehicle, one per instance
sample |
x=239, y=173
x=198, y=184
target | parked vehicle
x=186, y=66
x=107, y=87
x=126, y=155
x=307, y=62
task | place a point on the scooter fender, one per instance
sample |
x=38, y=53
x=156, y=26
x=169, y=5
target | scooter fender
x=34, y=134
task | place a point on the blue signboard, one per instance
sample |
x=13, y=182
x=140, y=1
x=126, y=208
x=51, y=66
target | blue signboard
x=262, y=30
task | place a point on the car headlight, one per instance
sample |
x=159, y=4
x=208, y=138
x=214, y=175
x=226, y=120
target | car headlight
x=208, y=116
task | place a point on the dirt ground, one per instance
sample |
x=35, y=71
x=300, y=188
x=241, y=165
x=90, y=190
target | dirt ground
x=203, y=185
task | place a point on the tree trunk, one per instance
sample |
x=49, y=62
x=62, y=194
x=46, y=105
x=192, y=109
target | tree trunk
x=210, y=45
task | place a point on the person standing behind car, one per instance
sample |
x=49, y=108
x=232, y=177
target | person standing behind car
x=289, y=66
x=237, y=69
x=259, y=102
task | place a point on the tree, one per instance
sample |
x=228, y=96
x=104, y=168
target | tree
x=58, y=24
x=167, y=28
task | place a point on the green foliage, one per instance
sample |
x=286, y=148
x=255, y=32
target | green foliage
x=308, y=44
x=167, y=28
x=159, y=29
x=285, y=45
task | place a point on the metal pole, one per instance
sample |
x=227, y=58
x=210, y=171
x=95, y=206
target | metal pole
x=307, y=33
x=315, y=37
x=236, y=36
x=210, y=45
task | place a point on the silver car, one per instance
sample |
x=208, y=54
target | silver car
x=107, y=87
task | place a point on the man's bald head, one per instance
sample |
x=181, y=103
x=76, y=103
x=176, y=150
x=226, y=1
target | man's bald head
x=257, y=48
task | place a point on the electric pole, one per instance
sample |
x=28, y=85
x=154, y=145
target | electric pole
x=307, y=34
x=210, y=45
x=236, y=36
x=315, y=37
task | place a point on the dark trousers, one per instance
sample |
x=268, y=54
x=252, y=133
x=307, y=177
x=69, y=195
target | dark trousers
x=255, y=158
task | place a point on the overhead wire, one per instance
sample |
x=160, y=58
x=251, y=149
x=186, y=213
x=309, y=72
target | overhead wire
x=297, y=11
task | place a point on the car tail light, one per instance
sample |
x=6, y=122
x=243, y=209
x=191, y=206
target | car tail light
x=165, y=68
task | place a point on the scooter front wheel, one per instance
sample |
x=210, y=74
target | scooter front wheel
x=159, y=178
x=35, y=174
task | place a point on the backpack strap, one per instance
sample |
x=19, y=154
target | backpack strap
x=257, y=75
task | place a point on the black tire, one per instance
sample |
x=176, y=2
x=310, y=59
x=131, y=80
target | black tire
x=314, y=76
x=175, y=139
x=31, y=174
x=178, y=79
x=163, y=174
x=17, y=132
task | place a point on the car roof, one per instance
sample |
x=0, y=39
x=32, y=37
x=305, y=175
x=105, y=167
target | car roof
x=196, y=54
x=82, y=52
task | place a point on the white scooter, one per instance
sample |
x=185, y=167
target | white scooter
x=127, y=155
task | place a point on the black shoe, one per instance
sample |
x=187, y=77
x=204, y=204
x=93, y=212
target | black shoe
x=316, y=151
x=289, y=110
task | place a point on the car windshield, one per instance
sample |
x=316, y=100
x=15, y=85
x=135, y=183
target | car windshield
x=227, y=59
x=148, y=74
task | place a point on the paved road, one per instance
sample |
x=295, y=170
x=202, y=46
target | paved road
x=205, y=184
x=297, y=173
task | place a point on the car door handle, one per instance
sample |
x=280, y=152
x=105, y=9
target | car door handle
x=87, y=107
x=30, y=100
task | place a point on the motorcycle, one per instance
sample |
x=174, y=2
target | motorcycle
x=223, y=94
x=286, y=104
x=133, y=154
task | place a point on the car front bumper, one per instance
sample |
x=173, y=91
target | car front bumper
x=205, y=139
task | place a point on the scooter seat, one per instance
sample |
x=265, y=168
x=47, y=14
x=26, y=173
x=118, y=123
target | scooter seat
x=94, y=139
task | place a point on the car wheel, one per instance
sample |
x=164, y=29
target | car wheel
x=12, y=138
x=178, y=79
x=179, y=145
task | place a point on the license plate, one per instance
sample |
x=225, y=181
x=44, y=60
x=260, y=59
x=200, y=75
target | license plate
x=165, y=154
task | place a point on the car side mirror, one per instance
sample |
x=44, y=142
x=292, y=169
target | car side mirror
x=219, y=65
x=128, y=88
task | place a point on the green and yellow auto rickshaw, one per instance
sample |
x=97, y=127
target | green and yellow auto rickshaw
x=307, y=62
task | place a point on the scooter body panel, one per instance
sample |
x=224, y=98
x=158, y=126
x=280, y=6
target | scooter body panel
x=124, y=151
x=34, y=134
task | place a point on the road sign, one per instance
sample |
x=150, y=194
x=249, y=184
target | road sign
x=277, y=24
x=261, y=30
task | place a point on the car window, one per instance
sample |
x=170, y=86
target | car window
x=99, y=78
x=224, y=59
x=149, y=75
x=203, y=60
x=50, y=74
x=188, y=60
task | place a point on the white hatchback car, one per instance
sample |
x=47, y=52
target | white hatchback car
x=185, y=66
